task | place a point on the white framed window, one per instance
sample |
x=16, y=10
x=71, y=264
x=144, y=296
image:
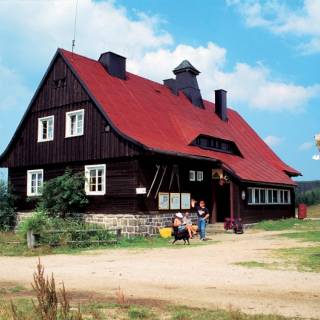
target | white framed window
x=268, y=196
x=46, y=129
x=275, y=196
x=74, y=123
x=199, y=175
x=192, y=175
x=34, y=182
x=95, y=183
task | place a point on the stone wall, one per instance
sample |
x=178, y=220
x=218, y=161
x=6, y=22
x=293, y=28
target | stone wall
x=23, y=215
x=134, y=225
x=130, y=224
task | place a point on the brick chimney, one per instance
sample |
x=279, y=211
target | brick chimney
x=114, y=64
x=221, y=104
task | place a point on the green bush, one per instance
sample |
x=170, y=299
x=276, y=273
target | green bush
x=7, y=209
x=38, y=222
x=64, y=230
x=63, y=195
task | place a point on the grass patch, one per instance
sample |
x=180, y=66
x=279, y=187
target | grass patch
x=12, y=244
x=156, y=242
x=302, y=259
x=99, y=311
x=313, y=236
x=255, y=264
x=138, y=312
x=185, y=313
x=17, y=289
x=314, y=211
x=287, y=224
x=12, y=289
x=144, y=242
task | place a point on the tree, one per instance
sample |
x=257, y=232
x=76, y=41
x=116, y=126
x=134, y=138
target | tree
x=64, y=195
x=309, y=197
x=7, y=209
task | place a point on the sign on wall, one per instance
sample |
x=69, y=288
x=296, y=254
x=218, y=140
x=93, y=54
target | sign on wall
x=174, y=201
x=141, y=190
x=163, y=201
x=185, y=201
x=217, y=174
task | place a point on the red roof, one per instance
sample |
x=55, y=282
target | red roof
x=150, y=114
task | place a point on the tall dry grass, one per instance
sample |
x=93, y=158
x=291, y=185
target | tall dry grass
x=50, y=304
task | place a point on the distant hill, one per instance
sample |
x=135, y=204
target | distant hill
x=304, y=186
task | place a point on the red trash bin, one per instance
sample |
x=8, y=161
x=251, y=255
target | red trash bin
x=302, y=211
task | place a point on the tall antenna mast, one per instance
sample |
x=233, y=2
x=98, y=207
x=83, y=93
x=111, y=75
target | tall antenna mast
x=75, y=27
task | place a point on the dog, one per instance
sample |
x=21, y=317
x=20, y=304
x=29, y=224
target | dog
x=180, y=235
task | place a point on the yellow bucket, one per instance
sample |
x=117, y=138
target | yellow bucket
x=165, y=232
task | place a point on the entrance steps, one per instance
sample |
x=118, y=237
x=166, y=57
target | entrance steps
x=215, y=228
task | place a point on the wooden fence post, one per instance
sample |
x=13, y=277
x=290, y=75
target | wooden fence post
x=31, y=241
x=118, y=234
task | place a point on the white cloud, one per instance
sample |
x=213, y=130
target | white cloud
x=158, y=65
x=279, y=18
x=13, y=92
x=273, y=141
x=39, y=27
x=306, y=146
x=101, y=26
x=254, y=85
x=247, y=85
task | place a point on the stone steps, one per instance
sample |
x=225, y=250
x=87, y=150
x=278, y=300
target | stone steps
x=215, y=228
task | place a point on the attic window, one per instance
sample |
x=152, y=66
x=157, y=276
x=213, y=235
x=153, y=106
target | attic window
x=216, y=144
x=59, y=83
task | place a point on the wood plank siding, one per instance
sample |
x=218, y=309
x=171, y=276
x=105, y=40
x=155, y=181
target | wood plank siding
x=254, y=213
x=120, y=194
x=199, y=190
x=56, y=99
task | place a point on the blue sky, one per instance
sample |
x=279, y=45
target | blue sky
x=265, y=53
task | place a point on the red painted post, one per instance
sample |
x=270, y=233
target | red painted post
x=302, y=211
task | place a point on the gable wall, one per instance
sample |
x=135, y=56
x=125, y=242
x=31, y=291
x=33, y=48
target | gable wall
x=94, y=144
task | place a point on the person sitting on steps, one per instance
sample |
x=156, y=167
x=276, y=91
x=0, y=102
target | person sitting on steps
x=181, y=224
x=188, y=222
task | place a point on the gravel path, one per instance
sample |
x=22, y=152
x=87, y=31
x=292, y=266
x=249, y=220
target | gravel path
x=197, y=276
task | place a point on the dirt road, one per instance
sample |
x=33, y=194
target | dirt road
x=197, y=276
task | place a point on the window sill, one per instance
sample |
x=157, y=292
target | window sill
x=74, y=136
x=95, y=193
x=39, y=141
x=269, y=204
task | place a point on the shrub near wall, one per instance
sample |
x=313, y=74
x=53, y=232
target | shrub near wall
x=7, y=210
x=63, y=195
x=64, y=232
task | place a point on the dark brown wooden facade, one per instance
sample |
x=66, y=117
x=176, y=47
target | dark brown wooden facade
x=128, y=165
x=98, y=142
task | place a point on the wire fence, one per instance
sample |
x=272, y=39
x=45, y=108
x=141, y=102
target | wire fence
x=74, y=237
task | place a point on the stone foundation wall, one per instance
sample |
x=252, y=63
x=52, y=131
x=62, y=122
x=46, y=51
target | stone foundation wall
x=130, y=224
x=134, y=225
x=23, y=215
